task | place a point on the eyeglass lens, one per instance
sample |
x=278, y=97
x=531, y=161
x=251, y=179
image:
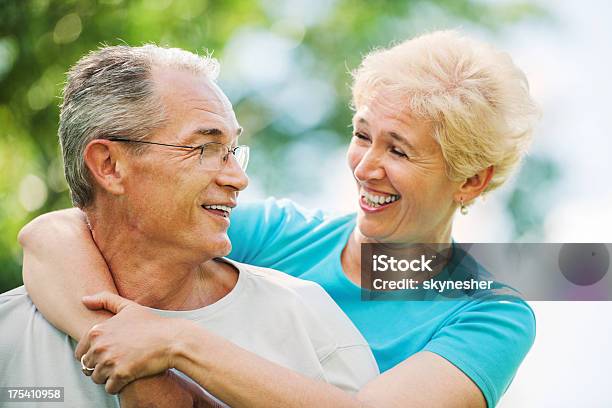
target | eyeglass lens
x=213, y=156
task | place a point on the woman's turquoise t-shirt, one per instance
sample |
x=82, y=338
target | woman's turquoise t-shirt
x=486, y=339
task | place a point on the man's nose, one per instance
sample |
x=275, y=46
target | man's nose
x=370, y=166
x=232, y=175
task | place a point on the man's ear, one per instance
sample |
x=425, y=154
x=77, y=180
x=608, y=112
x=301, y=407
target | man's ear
x=105, y=161
x=474, y=186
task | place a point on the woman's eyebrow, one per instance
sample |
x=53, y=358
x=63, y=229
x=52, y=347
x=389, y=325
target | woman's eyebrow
x=361, y=121
x=403, y=140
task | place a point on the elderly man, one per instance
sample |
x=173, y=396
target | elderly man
x=150, y=150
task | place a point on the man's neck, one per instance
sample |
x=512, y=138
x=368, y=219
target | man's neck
x=160, y=277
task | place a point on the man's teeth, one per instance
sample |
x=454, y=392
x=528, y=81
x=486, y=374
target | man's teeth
x=377, y=200
x=219, y=207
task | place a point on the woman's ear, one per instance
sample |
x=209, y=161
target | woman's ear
x=474, y=186
x=105, y=163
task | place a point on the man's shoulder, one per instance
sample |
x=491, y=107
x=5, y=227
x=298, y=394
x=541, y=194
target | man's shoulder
x=34, y=353
x=283, y=283
x=17, y=292
x=18, y=315
x=307, y=298
x=19, y=318
x=344, y=355
x=17, y=298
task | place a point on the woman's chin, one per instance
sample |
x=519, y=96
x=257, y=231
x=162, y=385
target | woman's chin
x=372, y=232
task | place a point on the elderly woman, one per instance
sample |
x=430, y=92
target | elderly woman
x=439, y=120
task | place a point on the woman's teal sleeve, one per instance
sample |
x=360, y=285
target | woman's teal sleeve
x=487, y=340
x=264, y=232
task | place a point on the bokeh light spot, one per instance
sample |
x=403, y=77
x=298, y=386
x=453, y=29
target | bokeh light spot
x=67, y=29
x=32, y=192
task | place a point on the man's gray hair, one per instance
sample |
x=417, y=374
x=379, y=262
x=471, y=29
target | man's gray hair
x=110, y=92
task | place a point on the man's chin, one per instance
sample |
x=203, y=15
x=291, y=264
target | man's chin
x=221, y=248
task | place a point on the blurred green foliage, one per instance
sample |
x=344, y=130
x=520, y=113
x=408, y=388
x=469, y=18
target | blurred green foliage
x=284, y=65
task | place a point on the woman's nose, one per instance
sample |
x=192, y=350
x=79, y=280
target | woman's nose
x=370, y=166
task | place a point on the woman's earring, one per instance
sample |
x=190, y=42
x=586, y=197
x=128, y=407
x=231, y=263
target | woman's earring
x=464, y=209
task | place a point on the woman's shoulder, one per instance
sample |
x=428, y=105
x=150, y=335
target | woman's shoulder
x=274, y=209
x=270, y=231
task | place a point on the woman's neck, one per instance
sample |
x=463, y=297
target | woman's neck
x=350, y=258
x=351, y=254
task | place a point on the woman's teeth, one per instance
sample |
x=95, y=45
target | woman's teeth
x=377, y=200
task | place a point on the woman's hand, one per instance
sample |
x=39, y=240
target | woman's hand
x=134, y=343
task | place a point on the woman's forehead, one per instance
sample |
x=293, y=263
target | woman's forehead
x=383, y=114
x=381, y=120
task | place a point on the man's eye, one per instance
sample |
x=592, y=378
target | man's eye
x=399, y=153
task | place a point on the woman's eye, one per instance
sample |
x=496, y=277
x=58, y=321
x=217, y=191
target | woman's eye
x=361, y=136
x=399, y=153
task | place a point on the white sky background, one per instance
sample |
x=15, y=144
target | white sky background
x=569, y=66
x=568, y=62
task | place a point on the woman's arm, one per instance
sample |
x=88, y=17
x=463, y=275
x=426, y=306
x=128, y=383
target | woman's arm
x=61, y=264
x=136, y=343
x=241, y=378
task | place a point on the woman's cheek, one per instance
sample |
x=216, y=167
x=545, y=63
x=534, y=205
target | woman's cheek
x=354, y=155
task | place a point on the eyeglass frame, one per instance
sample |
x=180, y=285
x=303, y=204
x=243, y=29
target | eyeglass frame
x=201, y=147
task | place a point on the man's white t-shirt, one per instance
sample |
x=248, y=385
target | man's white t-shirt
x=286, y=320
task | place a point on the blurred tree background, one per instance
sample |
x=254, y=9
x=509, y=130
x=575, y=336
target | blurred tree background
x=285, y=67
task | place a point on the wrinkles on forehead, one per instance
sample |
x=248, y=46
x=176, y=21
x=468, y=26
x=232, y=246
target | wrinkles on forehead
x=197, y=110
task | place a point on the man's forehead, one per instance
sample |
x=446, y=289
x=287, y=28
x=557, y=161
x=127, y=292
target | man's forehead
x=197, y=105
x=179, y=84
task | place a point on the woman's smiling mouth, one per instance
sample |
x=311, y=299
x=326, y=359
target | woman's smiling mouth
x=371, y=202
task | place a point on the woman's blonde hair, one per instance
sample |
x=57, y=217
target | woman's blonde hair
x=477, y=100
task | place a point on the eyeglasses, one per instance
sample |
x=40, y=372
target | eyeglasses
x=213, y=155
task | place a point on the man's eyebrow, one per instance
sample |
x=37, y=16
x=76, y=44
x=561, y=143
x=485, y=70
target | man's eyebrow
x=208, y=132
x=203, y=131
x=215, y=131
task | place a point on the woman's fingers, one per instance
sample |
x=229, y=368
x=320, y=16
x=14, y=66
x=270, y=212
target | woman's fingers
x=103, y=372
x=106, y=300
x=115, y=384
x=85, y=342
x=100, y=374
x=131, y=345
